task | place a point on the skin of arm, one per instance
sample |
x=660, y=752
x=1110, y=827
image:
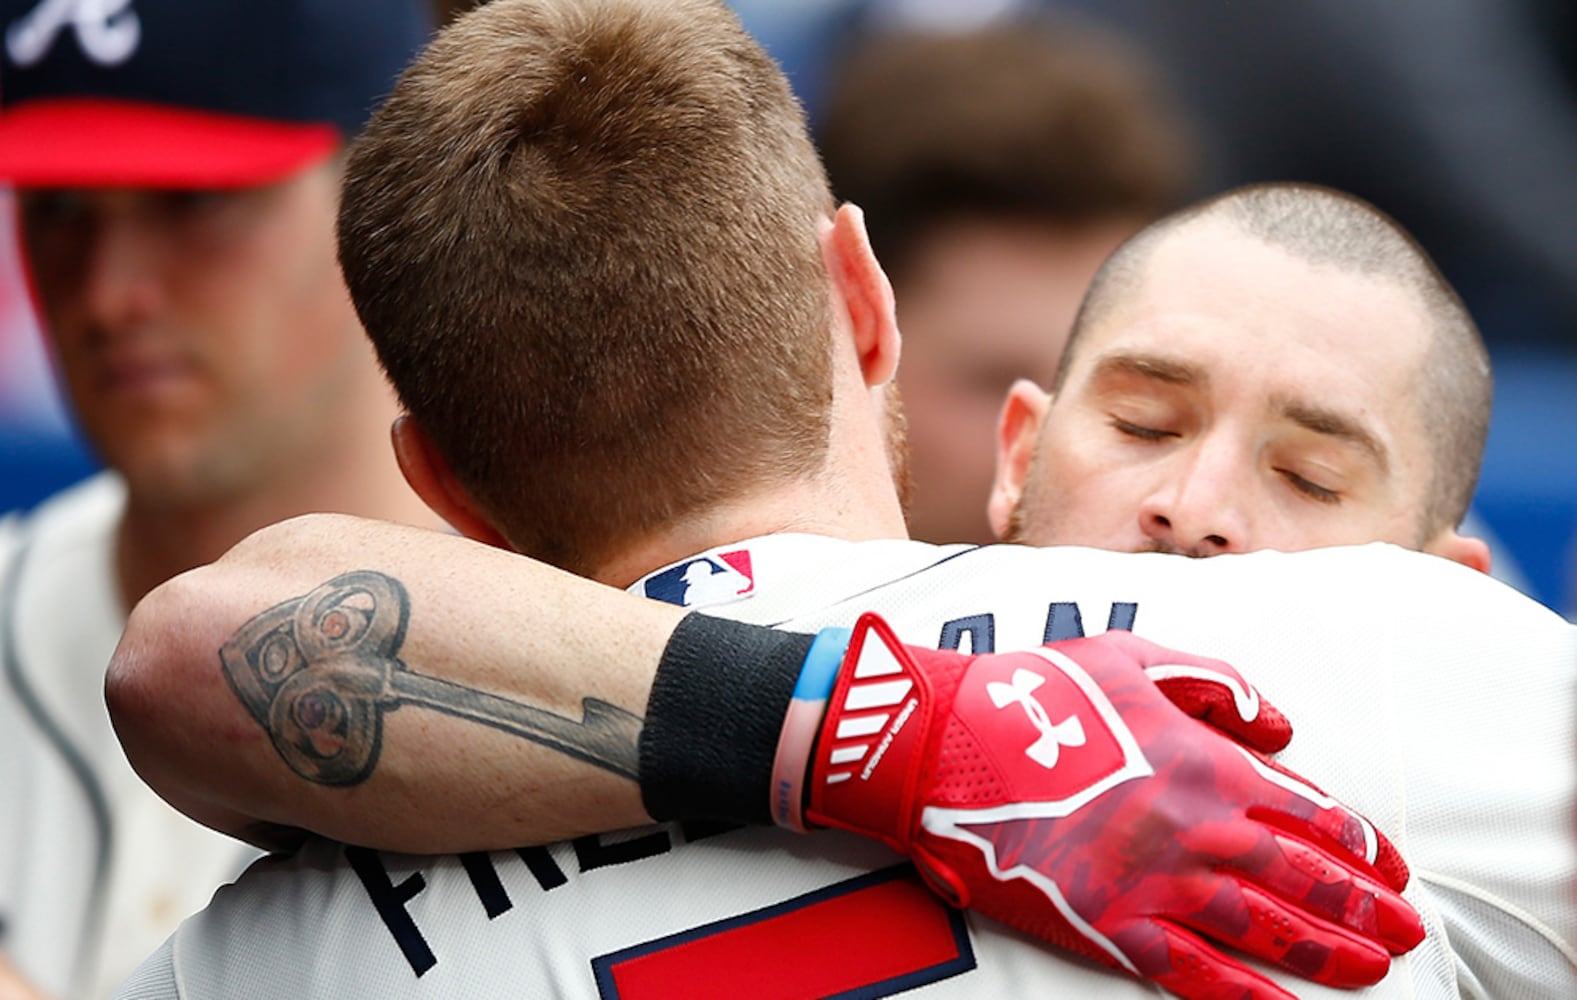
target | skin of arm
x=13, y=986
x=360, y=657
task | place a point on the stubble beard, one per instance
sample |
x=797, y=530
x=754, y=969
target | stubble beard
x=898, y=448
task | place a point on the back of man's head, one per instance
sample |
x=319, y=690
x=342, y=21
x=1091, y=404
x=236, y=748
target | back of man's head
x=1452, y=386
x=582, y=235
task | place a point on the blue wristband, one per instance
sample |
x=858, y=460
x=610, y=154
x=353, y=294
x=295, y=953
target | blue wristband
x=816, y=677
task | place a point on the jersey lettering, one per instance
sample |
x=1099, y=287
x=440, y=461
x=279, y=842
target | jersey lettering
x=484, y=879
x=981, y=630
x=389, y=900
x=489, y=887
x=1122, y=616
x=1063, y=621
x=592, y=853
x=542, y=867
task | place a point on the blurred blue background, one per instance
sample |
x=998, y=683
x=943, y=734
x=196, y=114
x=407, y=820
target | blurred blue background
x=39, y=451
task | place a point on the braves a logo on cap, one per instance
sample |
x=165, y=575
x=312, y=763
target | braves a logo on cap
x=712, y=579
x=107, y=30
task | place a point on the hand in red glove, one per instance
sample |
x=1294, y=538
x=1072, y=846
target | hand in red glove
x=1062, y=792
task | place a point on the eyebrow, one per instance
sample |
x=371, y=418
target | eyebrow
x=1168, y=370
x=1329, y=422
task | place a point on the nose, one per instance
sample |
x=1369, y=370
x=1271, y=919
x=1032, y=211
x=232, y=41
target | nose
x=120, y=285
x=1198, y=506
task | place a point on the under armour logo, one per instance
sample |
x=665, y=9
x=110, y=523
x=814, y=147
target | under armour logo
x=107, y=30
x=1053, y=737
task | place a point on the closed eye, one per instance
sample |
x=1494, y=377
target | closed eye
x=1138, y=431
x=1314, y=491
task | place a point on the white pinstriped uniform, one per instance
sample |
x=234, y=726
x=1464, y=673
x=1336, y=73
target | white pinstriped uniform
x=95, y=869
x=1437, y=701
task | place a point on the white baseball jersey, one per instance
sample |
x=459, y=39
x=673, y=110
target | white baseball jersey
x=95, y=869
x=1439, y=702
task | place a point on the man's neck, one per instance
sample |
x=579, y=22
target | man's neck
x=851, y=497
x=802, y=509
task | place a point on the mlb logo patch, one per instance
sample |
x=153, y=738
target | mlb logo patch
x=713, y=579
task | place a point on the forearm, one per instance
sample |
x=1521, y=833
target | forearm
x=546, y=673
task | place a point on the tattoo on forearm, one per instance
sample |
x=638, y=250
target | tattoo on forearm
x=318, y=672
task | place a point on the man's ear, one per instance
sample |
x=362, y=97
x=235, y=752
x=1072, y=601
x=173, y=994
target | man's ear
x=1465, y=549
x=865, y=292
x=430, y=477
x=1018, y=432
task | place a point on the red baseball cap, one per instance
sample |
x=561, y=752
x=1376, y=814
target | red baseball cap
x=176, y=94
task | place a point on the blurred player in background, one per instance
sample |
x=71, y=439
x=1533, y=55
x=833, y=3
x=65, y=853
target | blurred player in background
x=177, y=169
x=997, y=168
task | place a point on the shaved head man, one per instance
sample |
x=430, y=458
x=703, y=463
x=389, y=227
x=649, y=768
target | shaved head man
x=1280, y=367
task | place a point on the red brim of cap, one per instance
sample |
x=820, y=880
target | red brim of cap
x=83, y=142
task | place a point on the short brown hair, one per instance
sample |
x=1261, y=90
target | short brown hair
x=582, y=235
x=1042, y=120
x=1325, y=226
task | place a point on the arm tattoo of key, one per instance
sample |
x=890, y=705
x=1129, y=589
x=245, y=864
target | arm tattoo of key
x=319, y=672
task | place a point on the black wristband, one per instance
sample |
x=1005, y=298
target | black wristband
x=713, y=719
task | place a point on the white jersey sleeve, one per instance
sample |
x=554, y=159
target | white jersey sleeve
x=1435, y=700
x=154, y=979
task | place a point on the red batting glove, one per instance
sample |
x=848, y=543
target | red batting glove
x=1211, y=691
x=1060, y=791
